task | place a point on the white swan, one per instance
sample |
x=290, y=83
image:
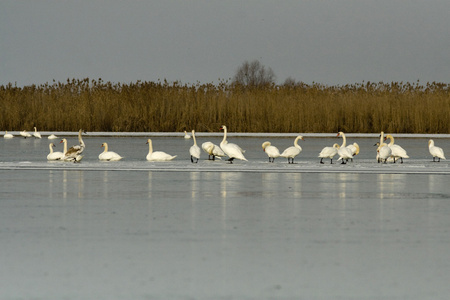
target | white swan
x=384, y=152
x=213, y=150
x=231, y=150
x=271, y=151
x=74, y=152
x=344, y=153
x=52, y=137
x=25, y=134
x=72, y=157
x=108, y=155
x=397, y=151
x=354, y=148
x=186, y=135
x=328, y=152
x=194, y=151
x=54, y=155
x=291, y=152
x=36, y=134
x=157, y=155
x=435, y=151
x=7, y=135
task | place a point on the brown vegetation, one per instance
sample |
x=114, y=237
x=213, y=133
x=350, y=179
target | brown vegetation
x=170, y=107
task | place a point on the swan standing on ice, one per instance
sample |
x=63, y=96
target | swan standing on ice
x=74, y=152
x=329, y=152
x=8, y=135
x=271, y=151
x=212, y=150
x=231, y=150
x=54, y=155
x=25, y=134
x=384, y=152
x=157, y=155
x=435, y=151
x=36, y=134
x=109, y=155
x=344, y=153
x=354, y=148
x=186, y=135
x=194, y=151
x=397, y=151
x=291, y=152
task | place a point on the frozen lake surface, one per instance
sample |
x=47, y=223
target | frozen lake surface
x=249, y=230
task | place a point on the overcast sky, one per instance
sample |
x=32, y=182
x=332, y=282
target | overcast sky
x=329, y=42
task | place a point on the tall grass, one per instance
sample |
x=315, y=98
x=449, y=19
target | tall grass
x=95, y=105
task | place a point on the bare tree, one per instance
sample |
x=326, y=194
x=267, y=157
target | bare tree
x=253, y=74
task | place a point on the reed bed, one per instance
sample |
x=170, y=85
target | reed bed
x=160, y=106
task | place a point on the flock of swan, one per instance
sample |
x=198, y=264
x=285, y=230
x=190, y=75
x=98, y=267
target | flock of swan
x=385, y=152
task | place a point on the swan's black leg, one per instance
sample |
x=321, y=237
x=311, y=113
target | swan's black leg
x=231, y=160
x=321, y=160
x=401, y=160
x=192, y=159
x=331, y=161
x=214, y=157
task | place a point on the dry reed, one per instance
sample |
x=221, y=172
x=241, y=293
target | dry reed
x=169, y=107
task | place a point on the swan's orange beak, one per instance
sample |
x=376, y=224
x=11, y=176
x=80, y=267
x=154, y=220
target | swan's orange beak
x=337, y=134
x=61, y=141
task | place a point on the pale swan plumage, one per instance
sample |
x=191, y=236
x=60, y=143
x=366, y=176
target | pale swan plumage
x=8, y=135
x=329, y=152
x=212, y=150
x=231, y=150
x=52, y=137
x=344, y=153
x=194, y=151
x=291, y=152
x=108, y=155
x=54, y=155
x=397, y=151
x=435, y=151
x=271, y=151
x=36, y=134
x=74, y=152
x=384, y=152
x=186, y=135
x=157, y=155
x=25, y=134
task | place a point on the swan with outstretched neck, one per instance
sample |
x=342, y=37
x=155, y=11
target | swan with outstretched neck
x=157, y=155
x=344, y=153
x=233, y=151
x=397, y=151
x=108, y=155
x=36, y=134
x=194, y=151
x=291, y=152
x=54, y=155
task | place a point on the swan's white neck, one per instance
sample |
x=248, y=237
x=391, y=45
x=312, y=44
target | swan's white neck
x=381, y=137
x=106, y=147
x=150, y=147
x=50, y=146
x=193, y=136
x=392, y=139
x=296, y=141
x=344, y=140
x=80, y=139
x=224, y=134
x=65, y=146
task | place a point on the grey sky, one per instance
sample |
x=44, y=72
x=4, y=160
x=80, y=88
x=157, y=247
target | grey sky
x=329, y=42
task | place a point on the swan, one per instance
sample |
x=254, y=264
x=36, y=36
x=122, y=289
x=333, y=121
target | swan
x=74, y=157
x=25, y=134
x=157, y=155
x=397, y=151
x=36, y=134
x=108, y=155
x=291, y=152
x=231, y=150
x=194, y=151
x=186, y=135
x=52, y=137
x=212, y=150
x=354, y=148
x=390, y=158
x=74, y=152
x=54, y=155
x=328, y=152
x=7, y=135
x=271, y=151
x=344, y=153
x=435, y=151
x=384, y=151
